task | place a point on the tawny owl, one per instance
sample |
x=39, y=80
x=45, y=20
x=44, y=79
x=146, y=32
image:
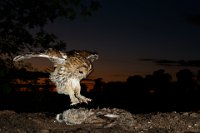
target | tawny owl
x=70, y=68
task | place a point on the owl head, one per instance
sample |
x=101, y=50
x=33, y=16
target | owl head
x=82, y=72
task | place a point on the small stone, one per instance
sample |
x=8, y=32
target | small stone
x=195, y=115
x=186, y=114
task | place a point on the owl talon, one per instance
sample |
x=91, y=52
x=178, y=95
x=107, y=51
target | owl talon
x=74, y=101
x=72, y=104
x=83, y=99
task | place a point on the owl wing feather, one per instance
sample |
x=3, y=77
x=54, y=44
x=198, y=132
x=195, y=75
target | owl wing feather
x=56, y=57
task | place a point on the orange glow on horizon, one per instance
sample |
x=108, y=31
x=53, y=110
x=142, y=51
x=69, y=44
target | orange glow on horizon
x=42, y=82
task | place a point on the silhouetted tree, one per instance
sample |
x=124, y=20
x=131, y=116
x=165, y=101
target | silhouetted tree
x=162, y=81
x=185, y=81
x=22, y=22
x=134, y=80
x=198, y=76
x=4, y=85
x=155, y=92
x=149, y=84
x=135, y=85
x=98, y=86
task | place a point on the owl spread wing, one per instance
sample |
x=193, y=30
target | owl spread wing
x=56, y=57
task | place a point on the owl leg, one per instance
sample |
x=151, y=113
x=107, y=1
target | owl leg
x=73, y=99
x=79, y=96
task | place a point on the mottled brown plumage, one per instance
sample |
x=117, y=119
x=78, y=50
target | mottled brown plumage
x=70, y=69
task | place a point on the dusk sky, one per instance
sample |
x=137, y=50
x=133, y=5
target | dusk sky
x=124, y=32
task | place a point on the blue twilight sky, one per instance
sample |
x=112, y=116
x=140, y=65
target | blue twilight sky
x=125, y=31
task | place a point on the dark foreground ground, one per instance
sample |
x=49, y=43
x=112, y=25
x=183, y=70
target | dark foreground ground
x=117, y=121
x=36, y=113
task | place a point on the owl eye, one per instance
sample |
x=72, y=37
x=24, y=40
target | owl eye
x=81, y=72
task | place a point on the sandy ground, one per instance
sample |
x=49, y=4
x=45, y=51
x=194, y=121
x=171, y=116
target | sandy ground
x=98, y=121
